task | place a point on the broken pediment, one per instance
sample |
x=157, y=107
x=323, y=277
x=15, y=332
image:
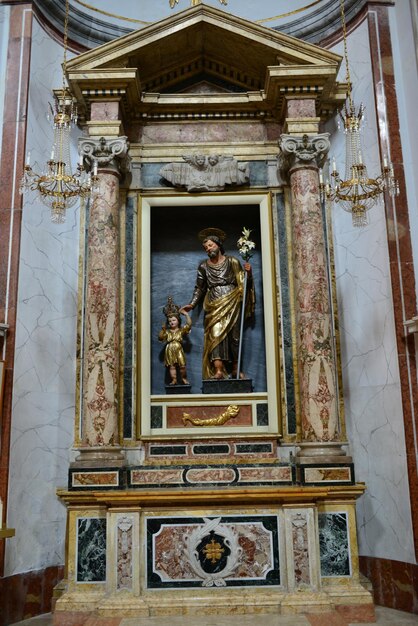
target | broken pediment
x=256, y=66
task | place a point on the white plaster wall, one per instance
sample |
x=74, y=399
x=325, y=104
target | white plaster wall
x=406, y=75
x=44, y=377
x=4, y=37
x=369, y=355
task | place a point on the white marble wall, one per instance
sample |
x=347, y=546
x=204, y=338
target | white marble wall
x=369, y=355
x=44, y=378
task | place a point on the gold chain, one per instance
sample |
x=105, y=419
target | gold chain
x=119, y=17
x=64, y=64
x=279, y=17
x=131, y=19
x=347, y=67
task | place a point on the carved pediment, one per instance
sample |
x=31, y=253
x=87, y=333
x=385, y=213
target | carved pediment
x=204, y=51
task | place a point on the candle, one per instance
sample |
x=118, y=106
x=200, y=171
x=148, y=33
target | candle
x=52, y=154
x=385, y=162
x=80, y=160
x=95, y=169
x=321, y=178
x=334, y=165
x=360, y=158
x=28, y=158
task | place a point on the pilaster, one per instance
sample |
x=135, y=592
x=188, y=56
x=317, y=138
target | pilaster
x=300, y=158
x=100, y=375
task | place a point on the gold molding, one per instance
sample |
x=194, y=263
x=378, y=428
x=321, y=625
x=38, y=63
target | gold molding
x=237, y=496
x=146, y=23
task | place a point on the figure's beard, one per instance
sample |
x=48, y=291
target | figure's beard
x=213, y=254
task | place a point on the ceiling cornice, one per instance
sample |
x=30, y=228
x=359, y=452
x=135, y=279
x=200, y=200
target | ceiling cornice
x=87, y=31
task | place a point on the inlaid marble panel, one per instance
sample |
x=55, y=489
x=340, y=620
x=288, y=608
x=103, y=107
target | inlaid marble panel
x=334, y=544
x=286, y=313
x=125, y=530
x=300, y=548
x=129, y=279
x=216, y=551
x=91, y=550
x=211, y=475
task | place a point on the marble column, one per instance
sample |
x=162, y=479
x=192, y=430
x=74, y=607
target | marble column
x=100, y=376
x=320, y=429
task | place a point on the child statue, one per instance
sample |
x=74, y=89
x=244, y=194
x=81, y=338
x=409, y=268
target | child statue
x=172, y=332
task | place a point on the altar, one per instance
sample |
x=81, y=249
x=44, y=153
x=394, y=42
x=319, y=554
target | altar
x=233, y=495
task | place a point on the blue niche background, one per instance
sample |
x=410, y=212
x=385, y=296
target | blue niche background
x=175, y=255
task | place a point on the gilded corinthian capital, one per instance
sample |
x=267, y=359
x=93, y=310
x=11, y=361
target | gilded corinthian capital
x=302, y=151
x=108, y=153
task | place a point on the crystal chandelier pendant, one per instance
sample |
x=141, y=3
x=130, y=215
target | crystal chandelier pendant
x=58, y=187
x=356, y=192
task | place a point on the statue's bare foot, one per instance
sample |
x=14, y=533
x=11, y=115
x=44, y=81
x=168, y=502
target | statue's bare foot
x=174, y=381
x=185, y=381
x=219, y=375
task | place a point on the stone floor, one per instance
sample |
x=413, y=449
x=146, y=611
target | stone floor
x=384, y=617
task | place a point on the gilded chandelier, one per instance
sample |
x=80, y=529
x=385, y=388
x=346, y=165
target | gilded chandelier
x=356, y=193
x=57, y=186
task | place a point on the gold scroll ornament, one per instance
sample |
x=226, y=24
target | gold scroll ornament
x=231, y=411
x=193, y=3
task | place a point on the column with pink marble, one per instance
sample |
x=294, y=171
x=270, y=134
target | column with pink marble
x=320, y=429
x=100, y=376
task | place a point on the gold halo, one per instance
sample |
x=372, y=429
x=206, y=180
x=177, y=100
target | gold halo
x=206, y=233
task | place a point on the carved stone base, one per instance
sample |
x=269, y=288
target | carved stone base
x=228, y=385
x=198, y=546
x=110, y=456
x=177, y=389
x=322, y=452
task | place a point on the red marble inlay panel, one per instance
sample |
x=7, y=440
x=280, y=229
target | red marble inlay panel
x=272, y=473
x=395, y=584
x=202, y=133
x=168, y=476
x=324, y=474
x=210, y=475
x=302, y=107
x=176, y=416
x=27, y=595
x=83, y=479
x=104, y=111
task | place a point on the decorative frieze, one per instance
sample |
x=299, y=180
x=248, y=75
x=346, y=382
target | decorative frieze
x=256, y=474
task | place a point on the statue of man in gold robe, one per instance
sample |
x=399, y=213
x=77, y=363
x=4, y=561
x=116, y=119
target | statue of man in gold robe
x=219, y=283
